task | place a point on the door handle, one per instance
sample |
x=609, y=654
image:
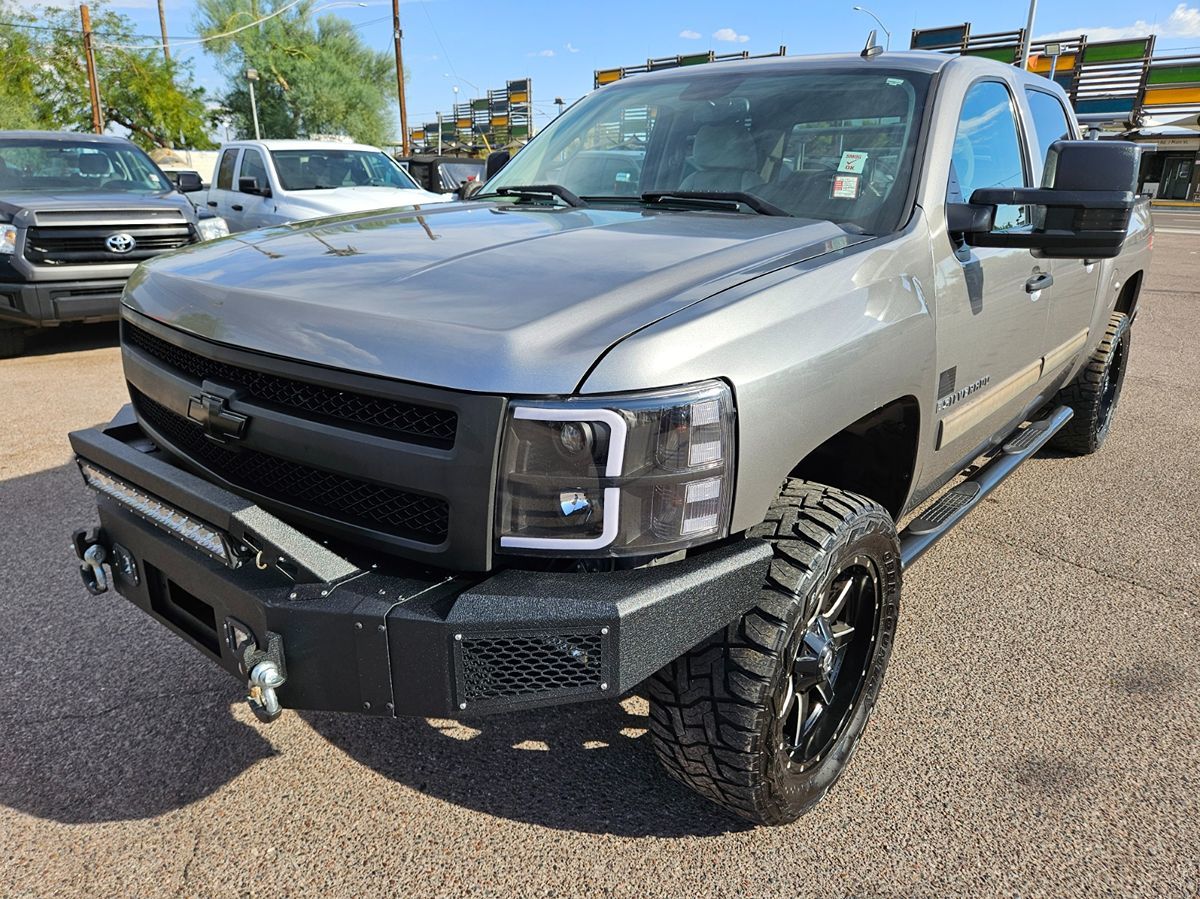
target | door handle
x=237, y=207
x=212, y=203
x=1039, y=282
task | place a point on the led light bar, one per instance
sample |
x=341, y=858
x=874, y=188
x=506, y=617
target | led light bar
x=204, y=537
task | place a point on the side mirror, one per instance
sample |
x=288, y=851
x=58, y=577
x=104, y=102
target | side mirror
x=250, y=186
x=495, y=162
x=188, y=182
x=1082, y=210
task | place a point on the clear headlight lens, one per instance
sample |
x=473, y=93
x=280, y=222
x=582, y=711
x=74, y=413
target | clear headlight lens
x=638, y=474
x=8, y=239
x=212, y=228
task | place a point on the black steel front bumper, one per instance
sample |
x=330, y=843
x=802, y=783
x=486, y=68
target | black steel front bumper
x=388, y=638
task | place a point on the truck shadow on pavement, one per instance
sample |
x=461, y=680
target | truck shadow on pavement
x=72, y=339
x=103, y=716
x=587, y=768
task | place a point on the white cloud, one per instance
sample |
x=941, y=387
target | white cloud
x=570, y=47
x=541, y=53
x=688, y=35
x=728, y=34
x=1184, y=21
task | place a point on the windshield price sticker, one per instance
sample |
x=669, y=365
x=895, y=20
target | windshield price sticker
x=852, y=162
x=845, y=187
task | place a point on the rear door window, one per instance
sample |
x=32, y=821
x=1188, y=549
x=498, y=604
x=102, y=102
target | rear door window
x=225, y=170
x=1050, y=123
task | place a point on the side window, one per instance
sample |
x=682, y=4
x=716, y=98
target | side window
x=225, y=170
x=987, y=151
x=1049, y=123
x=253, y=167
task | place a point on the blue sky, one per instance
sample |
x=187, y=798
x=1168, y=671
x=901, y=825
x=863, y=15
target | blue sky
x=559, y=44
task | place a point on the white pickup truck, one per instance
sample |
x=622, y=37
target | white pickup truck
x=271, y=182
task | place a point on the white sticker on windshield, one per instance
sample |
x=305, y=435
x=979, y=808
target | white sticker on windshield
x=852, y=162
x=845, y=187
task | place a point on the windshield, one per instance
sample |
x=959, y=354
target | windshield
x=61, y=166
x=327, y=168
x=835, y=145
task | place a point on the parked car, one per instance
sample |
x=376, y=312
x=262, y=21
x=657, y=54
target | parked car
x=271, y=182
x=670, y=449
x=78, y=212
x=443, y=174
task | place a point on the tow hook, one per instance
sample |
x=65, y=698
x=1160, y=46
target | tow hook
x=264, y=669
x=92, y=556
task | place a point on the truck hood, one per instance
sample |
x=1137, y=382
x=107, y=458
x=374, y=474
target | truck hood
x=24, y=204
x=472, y=296
x=355, y=199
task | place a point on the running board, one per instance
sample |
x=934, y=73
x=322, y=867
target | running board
x=953, y=506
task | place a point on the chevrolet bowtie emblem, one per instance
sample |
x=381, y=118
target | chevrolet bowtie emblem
x=211, y=413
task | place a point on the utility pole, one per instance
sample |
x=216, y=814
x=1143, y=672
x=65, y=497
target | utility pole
x=90, y=58
x=162, y=23
x=399, y=36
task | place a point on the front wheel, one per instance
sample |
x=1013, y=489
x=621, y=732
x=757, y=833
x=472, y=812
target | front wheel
x=12, y=342
x=763, y=716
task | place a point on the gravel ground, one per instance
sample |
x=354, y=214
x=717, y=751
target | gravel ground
x=1039, y=733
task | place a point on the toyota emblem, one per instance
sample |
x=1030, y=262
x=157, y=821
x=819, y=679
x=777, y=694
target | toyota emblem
x=120, y=243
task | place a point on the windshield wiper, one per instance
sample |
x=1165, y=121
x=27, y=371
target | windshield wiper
x=542, y=190
x=714, y=199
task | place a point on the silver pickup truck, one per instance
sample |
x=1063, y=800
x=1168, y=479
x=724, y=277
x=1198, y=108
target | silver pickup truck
x=669, y=406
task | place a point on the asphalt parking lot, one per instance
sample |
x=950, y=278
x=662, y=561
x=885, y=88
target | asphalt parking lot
x=1039, y=732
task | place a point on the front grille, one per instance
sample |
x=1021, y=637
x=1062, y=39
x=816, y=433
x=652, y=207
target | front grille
x=422, y=424
x=409, y=515
x=528, y=666
x=82, y=245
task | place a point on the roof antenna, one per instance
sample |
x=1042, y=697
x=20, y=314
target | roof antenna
x=872, y=49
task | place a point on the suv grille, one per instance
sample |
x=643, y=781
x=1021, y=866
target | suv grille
x=407, y=515
x=422, y=424
x=81, y=245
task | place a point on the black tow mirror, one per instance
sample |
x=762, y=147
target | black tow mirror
x=1082, y=210
x=495, y=162
x=250, y=186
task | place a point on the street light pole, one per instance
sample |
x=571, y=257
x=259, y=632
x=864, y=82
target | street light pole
x=251, y=77
x=887, y=35
x=1028, y=34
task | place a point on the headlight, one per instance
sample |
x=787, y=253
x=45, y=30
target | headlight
x=8, y=239
x=632, y=475
x=212, y=228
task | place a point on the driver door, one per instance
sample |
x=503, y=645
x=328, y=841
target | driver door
x=991, y=302
x=255, y=211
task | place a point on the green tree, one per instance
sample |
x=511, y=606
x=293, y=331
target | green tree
x=316, y=74
x=43, y=78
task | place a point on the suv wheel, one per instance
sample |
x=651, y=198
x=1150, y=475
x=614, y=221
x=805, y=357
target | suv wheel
x=1095, y=392
x=763, y=716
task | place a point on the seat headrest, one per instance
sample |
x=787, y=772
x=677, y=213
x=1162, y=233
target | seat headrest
x=94, y=164
x=724, y=147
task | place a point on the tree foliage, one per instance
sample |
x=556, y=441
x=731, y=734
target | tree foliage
x=316, y=75
x=43, y=78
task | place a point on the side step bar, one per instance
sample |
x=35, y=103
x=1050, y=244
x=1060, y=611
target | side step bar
x=953, y=506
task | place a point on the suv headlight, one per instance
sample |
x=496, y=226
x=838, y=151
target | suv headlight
x=212, y=228
x=8, y=239
x=630, y=475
